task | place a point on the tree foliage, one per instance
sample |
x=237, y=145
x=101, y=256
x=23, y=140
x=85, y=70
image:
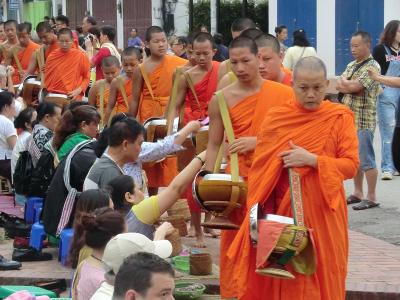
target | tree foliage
x=229, y=11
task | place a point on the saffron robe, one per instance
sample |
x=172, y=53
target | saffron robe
x=24, y=56
x=204, y=89
x=247, y=117
x=65, y=71
x=328, y=132
x=121, y=105
x=159, y=174
x=194, y=110
x=106, y=96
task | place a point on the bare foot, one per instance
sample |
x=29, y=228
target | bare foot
x=200, y=242
x=214, y=234
x=191, y=232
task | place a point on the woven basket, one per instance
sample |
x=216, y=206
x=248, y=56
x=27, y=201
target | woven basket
x=179, y=223
x=175, y=240
x=180, y=208
x=200, y=264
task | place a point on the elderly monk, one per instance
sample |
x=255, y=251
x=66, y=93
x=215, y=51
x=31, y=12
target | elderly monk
x=10, y=29
x=238, y=26
x=152, y=86
x=49, y=43
x=20, y=55
x=248, y=100
x=318, y=140
x=203, y=79
x=67, y=68
x=270, y=57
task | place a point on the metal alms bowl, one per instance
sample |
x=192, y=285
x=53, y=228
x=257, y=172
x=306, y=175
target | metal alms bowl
x=156, y=129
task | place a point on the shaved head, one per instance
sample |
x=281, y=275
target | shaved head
x=268, y=41
x=252, y=33
x=110, y=61
x=242, y=24
x=309, y=64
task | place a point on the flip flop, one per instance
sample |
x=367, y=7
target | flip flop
x=352, y=199
x=365, y=204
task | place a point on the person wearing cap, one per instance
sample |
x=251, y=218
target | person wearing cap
x=118, y=249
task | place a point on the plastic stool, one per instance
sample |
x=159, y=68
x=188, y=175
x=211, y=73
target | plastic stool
x=37, y=212
x=65, y=242
x=37, y=236
x=30, y=208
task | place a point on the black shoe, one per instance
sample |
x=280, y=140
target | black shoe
x=30, y=254
x=6, y=264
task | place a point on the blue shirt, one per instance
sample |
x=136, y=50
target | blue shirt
x=135, y=42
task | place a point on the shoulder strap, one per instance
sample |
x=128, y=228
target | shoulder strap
x=191, y=86
x=41, y=62
x=296, y=198
x=223, y=108
x=302, y=52
x=101, y=95
x=16, y=59
x=122, y=89
x=146, y=80
x=174, y=92
x=358, y=67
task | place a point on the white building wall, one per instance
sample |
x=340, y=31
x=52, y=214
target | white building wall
x=181, y=18
x=156, y=18
x=326, y=34
x=391, y=10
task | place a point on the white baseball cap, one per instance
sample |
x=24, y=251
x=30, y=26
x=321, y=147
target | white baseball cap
x=125, y=244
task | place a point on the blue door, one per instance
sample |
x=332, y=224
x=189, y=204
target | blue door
x=351, y=16
x=296, y=15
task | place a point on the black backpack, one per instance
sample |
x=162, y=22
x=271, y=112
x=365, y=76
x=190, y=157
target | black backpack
x=42, y=175
x=23, y=172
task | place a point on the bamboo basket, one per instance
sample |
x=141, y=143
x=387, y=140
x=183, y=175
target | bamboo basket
x=175, y=240
x=200, y=264
x=180, y=208
x=179, y=223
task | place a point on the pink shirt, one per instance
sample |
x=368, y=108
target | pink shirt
x=97, y=59
x=90, y=276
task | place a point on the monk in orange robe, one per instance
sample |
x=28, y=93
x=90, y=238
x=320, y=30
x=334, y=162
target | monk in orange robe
x=203, y=79
x=318, y=140
x=270, y=59
x=67, y=68
x=151, y=91
x=100, y=91
x=20, y=55
x=10, y=29
x=248, y=100
x=121, y=87
x=49, y=43
x=63, y=22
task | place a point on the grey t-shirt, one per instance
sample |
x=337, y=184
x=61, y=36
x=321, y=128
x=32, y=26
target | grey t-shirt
x=135, y=225
x=101, y=173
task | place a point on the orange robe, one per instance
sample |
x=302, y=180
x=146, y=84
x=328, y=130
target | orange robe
x=204, y=89
x=50, y=49
x=24, y=57
x=121, y=106
x=159, y=174
x=328, y=132
x=66, y=71
x=247, y=117
x=287, y=80
x=106, y=97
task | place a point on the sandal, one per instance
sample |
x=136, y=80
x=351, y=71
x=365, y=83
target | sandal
x=365, y=204
x=352, y=199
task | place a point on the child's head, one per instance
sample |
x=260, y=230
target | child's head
x=123, y=192
x=100, y=226
x=131, y=57
x=189, y=49
x=111, y=67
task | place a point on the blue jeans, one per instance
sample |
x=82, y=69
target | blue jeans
x=388, y=103
x=366, y=149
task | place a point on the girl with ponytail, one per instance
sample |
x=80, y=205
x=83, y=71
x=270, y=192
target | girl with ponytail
x=98, y=228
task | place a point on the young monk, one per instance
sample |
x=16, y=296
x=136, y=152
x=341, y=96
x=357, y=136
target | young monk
x=238, y=26
x=121, y=87
x=248, y=100
x=20, y=55
x=49, y=43
x=318, y=140
x=10, y=29
x=99, y=93
x=203, y=79
x=67, y=68
x=153, y=96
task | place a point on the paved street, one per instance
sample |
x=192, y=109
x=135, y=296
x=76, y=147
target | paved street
x=382, y=222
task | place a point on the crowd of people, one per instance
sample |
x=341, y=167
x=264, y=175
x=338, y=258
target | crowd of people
x=99, y=168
